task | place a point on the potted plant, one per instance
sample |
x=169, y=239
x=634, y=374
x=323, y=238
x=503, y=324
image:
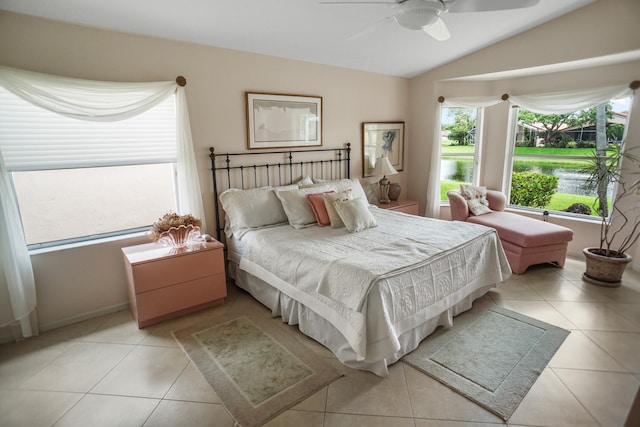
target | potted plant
x=620, y=228
x=175, y=230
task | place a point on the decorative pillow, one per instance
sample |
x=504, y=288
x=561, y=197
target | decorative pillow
x=247, y=209
x=329, y=198
x=476, y=199
x=295, y=205
x=356, y=188
x=341, y=185
x=371, y=190
x=355, y=214
x=316, y=201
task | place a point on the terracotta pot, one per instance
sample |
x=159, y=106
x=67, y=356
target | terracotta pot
x=602, y=270
x=394, y=191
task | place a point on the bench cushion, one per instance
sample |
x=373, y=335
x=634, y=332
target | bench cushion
x=524, y=231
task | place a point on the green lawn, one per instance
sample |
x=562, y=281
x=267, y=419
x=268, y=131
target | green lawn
x=448, y=148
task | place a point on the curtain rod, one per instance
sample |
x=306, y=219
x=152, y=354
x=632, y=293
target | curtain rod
x=504, y=97
x=181, y=81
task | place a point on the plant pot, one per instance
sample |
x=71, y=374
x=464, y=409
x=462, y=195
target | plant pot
x=603, y=270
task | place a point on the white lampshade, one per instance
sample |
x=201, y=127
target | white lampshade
x=383, y=167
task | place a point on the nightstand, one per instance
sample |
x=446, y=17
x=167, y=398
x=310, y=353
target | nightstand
x=165, y=282
x=406, y=206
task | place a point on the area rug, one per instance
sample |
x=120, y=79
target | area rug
x=256, y=367
x=493, y=359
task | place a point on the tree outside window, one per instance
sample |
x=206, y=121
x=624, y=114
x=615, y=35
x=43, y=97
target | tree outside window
x=458, y=163
x=550, y=153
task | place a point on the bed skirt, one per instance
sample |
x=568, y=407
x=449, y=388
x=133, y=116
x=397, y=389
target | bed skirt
x=318, y=328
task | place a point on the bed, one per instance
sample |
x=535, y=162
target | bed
x=367, y=283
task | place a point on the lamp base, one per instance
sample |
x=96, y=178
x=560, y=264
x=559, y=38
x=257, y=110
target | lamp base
x=384, y=190
x=394, y=191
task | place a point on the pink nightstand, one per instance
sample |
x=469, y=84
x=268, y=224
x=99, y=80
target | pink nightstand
x=165, y=283
x=406, y=206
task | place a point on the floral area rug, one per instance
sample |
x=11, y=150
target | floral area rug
x=492, y=357
x=255, y=366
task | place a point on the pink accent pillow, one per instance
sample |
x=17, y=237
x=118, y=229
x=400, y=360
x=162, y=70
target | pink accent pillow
x=316, y=201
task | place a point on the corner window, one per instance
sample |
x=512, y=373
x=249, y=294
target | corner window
x=550, y=155
x=459, y=148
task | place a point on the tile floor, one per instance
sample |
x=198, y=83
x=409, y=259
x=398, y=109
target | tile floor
x=107, y=372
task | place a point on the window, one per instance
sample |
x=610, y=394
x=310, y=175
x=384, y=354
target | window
x=550, y=152
x=459, y=148
x=78, y=180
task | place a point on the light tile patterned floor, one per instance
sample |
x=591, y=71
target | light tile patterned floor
x=107, y=372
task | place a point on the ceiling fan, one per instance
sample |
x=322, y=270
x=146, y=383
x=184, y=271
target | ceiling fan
x=426, y=15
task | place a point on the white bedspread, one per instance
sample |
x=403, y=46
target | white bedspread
x=419, y=267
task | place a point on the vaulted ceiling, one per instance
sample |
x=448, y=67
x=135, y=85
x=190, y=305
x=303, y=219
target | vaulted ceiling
x=357, y=36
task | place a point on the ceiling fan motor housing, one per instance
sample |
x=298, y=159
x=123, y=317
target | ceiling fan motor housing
x=417, y=18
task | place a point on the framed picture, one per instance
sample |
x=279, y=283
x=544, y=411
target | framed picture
x=279, y=121
x=382, y=139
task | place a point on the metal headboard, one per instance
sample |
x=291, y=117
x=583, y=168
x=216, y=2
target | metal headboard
x=242, y=170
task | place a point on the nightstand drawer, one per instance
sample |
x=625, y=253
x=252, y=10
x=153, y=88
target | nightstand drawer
x=158, y=274
x=161, y=302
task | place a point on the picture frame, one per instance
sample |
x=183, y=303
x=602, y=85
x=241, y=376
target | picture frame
x=283, y=121
x=382, y=139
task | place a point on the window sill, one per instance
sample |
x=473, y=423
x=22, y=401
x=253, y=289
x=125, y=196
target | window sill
x=88, y=242
x=563, y=216
x=535, y=213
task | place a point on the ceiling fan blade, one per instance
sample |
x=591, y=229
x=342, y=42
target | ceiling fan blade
x=465, y=6
x=350, y=3
x=438, y=30
x=369, y=29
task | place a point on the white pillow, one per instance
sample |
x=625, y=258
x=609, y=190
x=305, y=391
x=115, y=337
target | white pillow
x=476, y=198
x=356, y=188
x=341, y=185
x=304, y=181
x=329, y=199
x=247, y=209
x=355, y=214
x=371, y=190
x=296, y=207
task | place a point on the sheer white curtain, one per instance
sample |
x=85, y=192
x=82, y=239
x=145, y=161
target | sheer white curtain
x=433, y=189
x=84, y=100
x=17, y=286
x=569, y=101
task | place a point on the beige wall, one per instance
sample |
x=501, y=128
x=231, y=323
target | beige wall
x=85, y=280
x=80, y=282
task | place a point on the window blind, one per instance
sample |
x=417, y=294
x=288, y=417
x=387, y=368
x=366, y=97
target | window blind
x=33, y=138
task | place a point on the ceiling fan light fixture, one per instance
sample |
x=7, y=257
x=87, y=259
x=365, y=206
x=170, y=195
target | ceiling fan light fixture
x=417, y=18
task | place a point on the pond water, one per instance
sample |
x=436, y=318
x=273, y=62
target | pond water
x=570, y=181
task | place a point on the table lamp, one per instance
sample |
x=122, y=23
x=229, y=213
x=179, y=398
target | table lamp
x=383, y=167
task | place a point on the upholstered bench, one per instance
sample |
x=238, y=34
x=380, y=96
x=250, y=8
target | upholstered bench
x=526, y=241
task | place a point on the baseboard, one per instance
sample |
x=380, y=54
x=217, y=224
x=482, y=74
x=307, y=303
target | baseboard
x=85, y=316
x=74, y=319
